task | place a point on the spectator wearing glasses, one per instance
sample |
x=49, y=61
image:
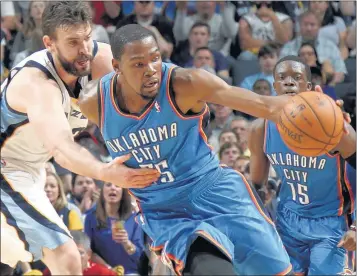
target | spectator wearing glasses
x=144, y=15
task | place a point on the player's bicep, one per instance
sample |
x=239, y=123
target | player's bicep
x=259, y=163
x=102, y=62
x=46, y=114
x=89, y=101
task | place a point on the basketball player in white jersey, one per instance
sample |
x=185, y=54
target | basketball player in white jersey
x=38, y=114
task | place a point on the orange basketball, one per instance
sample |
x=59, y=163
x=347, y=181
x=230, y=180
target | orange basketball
x=311, y=124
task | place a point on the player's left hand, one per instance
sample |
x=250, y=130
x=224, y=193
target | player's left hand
x=346, y=116
x=348, y=241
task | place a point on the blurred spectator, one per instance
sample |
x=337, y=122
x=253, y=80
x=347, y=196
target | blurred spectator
x=348, y=11
x=318, y=79
x=241, y=163
x=89, y=268
x=326, y=50
x=247, y=173
x=227, y=136
x=223, y=116
x=110, y=246
x=8, y=16
x=223, y=28
x=35, y=44
x=55, y=193
x=262, y=26
x=309, y=55
x=85, y=194
x=262, y=87
x=99, y=33
x=268, y=56
x=32, y=22
x=107, y=14
x=239, y=125
x=351, y=38
x=332, y=27
x=3, y=70
x=9, y=26
x=228, y=153
x=144, y=14
x=204, y=59
x=198, y=39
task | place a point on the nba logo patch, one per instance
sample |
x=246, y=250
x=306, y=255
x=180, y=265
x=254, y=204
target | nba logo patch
x=157, y=107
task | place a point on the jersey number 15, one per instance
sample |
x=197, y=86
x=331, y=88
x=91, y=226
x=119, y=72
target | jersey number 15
x=162, y=167
x=301, y=194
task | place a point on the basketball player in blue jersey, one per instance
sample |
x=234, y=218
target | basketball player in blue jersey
x=38, y=114
x=317, y=193
x=203, y=219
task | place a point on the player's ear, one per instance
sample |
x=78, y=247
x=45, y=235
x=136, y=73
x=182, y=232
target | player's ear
x=47, y=42
x=115, y=65
x=309, y=86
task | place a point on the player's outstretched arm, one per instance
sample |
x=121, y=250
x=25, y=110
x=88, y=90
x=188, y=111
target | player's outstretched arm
x=347, y=146
x=41, y=99
x=194, y=86
x=259, y=163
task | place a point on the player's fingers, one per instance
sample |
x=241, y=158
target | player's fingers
x=345, y=128
x=141, y=183
x=144, y=171
x=347, y=117
x=342, y=242
x=318, y=89
x=122, y=159
x=143, y=178
x=340, y=103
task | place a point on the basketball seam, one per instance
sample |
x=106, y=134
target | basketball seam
x=302, y=130
x=317, y=117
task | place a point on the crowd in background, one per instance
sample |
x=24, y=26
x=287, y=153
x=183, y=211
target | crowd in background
x=240, y=42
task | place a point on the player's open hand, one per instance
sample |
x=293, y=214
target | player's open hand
x=348, y=241
x=119, y=174
x=346, y=116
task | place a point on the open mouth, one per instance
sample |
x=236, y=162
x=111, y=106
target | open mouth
x=112, y=195
x=82, y=62
x=151, y=84
x=290, y=93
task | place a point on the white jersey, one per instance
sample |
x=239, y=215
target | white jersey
x=21, y=145
x=263, y=30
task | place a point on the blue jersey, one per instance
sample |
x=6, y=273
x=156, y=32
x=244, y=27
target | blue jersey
x=160, y=137
x=311, y=186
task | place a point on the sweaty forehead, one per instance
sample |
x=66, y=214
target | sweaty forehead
x=290, y=66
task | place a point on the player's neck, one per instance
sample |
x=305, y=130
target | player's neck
x=111, y=209
x=128, y=99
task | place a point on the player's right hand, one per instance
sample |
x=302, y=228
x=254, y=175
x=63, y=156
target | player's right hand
x=119, y=174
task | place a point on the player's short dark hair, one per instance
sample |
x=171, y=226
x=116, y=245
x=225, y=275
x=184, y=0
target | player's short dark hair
x=201, y=24
x=63, y=14
x=127, y=34
x=296, y=59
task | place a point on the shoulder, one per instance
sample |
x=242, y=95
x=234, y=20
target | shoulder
x=282, y=16
x=257, y=127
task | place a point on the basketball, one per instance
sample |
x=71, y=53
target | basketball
x=311, y=124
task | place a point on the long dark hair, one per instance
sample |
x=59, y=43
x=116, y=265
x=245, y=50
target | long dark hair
x=311, y=44
x=124, y=211
x=329, y=17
